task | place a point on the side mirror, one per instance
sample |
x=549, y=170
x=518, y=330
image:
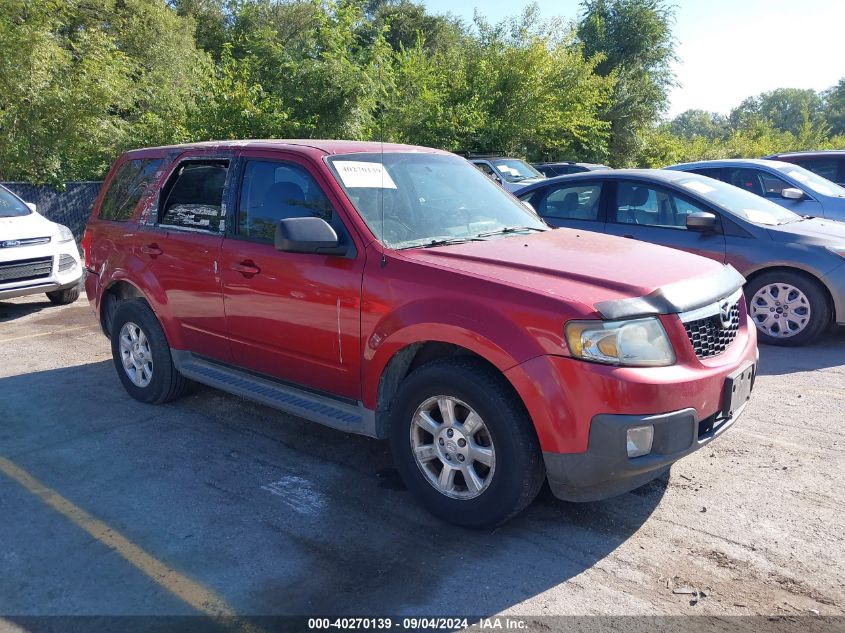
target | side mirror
x=32, y=206
x=307, y=235
x=792, y=193
x=702, y=221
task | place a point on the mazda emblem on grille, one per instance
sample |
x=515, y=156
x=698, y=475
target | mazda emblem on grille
x=725, y=314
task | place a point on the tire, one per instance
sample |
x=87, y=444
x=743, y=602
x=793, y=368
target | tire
x=63, y=297
x=772, y=295
x=506, y=440
x=158, y=381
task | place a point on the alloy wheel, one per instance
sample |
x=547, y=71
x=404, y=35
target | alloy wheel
x=453, y=448
x=136, y=355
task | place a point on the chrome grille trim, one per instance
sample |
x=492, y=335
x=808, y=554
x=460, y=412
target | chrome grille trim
x=709, y=310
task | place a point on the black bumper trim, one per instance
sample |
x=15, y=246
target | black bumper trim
x=605, y=470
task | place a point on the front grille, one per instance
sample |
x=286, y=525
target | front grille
x=26, y=269
x=66, y=262
x=709, y=337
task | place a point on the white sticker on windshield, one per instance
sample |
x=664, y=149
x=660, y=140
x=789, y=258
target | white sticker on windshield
x=355, y=173
x=700, y=187
x=759, y=217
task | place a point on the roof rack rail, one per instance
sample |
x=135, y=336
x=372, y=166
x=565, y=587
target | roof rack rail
x=493, y=154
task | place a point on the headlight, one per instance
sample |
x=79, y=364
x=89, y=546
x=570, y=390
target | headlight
x=65, y=234
x=635, y=343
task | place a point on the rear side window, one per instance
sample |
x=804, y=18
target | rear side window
x=710, y=172
x=127, y=187
x=824, y=167
x=579, y=202
x=273, y=191
x=194, y=197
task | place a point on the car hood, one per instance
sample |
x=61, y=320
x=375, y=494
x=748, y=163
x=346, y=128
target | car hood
x=615, y=276
x=810, y=231
x=25, y=227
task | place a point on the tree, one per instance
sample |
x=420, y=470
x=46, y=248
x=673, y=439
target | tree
x=634, y=40
x=521, y=86
x=834, y=100
x=79, y=83
x=699, y=123
x=787, y=109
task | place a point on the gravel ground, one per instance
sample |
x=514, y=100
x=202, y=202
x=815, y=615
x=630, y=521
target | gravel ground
x=273, y=515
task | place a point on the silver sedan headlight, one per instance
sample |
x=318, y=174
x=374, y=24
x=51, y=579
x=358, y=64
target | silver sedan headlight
x=633, y=343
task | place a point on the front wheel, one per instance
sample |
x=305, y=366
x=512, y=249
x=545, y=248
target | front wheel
x=464, y=444
x=64, y=297
x=788, y=308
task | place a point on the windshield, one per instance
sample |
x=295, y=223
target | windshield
x=428, y=199
x=812, y=181
x=740, y=202
x=11, y=206
x=515, y=170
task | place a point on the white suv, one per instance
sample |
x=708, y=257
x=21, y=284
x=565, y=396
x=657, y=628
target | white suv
x=36, y=255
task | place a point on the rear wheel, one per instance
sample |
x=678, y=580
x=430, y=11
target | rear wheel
x=463, y=443
x=788, y=308
x=142, y=356
x=63, y=297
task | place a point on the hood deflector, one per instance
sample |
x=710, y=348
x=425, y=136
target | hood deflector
x=680, y=296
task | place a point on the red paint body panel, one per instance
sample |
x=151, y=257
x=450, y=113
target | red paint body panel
x=334, y=324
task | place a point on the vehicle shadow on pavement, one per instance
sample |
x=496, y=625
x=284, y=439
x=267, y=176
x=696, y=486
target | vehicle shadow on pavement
x=826, y=351
x=10, y=311
x=276, y=515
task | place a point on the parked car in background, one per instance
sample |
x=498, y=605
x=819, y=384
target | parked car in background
x=564, y=168
x=788, y=185
x=394, y=291
x=510, y=173
x=794, y=266
x=829, y=164
x=36, y=255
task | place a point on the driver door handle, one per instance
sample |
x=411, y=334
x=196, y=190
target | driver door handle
x=247, y=268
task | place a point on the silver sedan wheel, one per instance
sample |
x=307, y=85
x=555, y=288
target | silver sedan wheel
x=136, y=355
x=780, y=310
x=453, y=447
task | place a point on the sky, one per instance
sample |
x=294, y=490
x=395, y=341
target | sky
x=728, y=49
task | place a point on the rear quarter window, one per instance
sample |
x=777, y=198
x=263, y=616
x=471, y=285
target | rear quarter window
x=127, y=188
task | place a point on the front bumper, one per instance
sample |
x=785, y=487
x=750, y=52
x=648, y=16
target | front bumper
x=61, y=277
x=605, y=470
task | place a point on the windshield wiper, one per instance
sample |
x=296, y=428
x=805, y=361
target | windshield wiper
x=450, y=240
x=511, y=229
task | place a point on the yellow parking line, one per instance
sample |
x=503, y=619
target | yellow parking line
x=62, y=331
x=203, y=600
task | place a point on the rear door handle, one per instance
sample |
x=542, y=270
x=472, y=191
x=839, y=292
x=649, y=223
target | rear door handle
x=152, y=250
x=247, y=268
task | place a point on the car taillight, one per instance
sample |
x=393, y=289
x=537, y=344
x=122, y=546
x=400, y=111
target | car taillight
x=86, y=248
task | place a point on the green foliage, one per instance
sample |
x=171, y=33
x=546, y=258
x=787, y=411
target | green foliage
x=634, y=38
x=81, y=82
x=835, y=107
x=521, y=87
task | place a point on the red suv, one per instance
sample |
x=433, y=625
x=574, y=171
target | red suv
x=396, y=292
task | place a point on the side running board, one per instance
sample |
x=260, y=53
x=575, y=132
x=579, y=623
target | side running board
x=318, y=408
